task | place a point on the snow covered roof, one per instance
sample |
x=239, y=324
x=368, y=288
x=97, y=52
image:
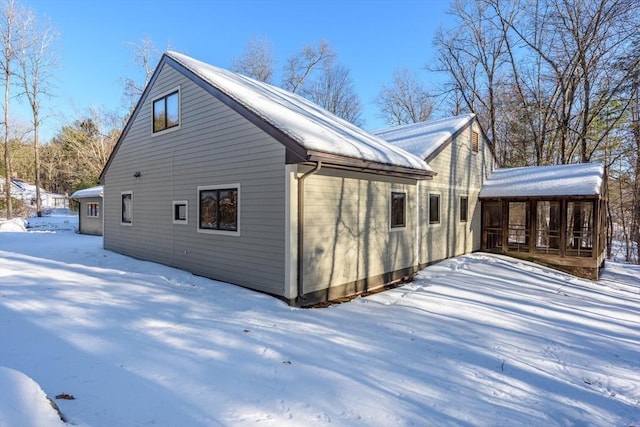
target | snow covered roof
x=582, y=179
x=309, y=125
x=88, y=192
x=424, y=138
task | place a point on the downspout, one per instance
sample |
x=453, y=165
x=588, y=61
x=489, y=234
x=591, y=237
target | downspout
x=301, y=227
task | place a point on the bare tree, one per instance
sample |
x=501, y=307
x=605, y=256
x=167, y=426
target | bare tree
x=472, y=54
x=10, y=17
x=257, y=60
x=405, y=100
x=333, y=90
x=146, y=55
x=300, y=66
x=36, y=61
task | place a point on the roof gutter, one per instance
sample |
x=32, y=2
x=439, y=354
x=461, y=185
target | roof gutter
x=301, y=229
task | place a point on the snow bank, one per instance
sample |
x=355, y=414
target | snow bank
x=23, y=403
x=15, y=225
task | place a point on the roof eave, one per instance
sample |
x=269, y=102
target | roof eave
x=359, y=165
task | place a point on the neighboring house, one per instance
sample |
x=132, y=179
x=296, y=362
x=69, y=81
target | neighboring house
x=555, y=215
x=244, y=182
x=90, y=210
x=449, y=209
x=26, y=192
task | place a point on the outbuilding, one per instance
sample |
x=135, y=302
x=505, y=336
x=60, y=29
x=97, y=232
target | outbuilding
x=90, y=210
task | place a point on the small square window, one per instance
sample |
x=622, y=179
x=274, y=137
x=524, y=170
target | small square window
x=434, y=208
x=398, y=210
x=180, y=212
x=166, y=112
x=127, y=208
x=464, y=208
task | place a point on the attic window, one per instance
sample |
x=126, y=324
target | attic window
x=166, y=111
x=474, y=141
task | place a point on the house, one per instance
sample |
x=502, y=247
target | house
x=90, y=206
x=241, y=181
x=554, y=215
x=449, y=211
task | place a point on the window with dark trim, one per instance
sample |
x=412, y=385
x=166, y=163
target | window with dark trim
x=464, y=208
x=434, y=208
x=180, y=211
x=93, y=210
x=166, y=112
x=475, y=144
x=218, y=209
x=127, y=208
x=398, y=209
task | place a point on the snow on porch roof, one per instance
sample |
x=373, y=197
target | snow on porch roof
x=582, y=179
x=424, y=138
x=310, y=125
x=88, y=192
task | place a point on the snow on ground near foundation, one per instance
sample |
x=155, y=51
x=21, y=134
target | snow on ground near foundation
x=474, y=341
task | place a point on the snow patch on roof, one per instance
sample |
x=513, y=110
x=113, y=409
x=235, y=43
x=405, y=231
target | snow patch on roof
x=582, y=179
x=424, y=138
x=313, y=127
x=88, y=192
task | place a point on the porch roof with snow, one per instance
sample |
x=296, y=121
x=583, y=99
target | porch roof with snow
x=88, y=192
x=425, y=139
x=309, y=132
x=575, y=180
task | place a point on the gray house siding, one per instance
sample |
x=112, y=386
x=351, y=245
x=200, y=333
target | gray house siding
x=349, y=245
x=461, y=173
x=213, y=146
x=90, y=224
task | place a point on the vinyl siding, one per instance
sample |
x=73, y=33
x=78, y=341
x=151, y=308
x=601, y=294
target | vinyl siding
x=213, y=146
x=90, y=225
x=460, y=173
x=347, y=234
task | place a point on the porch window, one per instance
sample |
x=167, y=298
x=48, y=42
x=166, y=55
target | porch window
x=218, y=209
x=398, y=210
x=580, y=228
x=548, y=227
x=492, y=224
x=519, y=226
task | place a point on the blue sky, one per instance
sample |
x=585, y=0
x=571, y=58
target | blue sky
x=372, y=38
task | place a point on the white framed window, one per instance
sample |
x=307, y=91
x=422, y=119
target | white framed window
x=398, y=210
x=93, y=210
x=475, y=141
x=434, y=208
x=180, y=212
x=219, y=209
x=464, y=208
x=126, y=198
x=165, y=111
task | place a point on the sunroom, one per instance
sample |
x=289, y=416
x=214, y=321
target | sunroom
x=553, y=215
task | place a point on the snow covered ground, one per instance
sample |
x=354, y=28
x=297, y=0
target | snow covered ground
x=477, y=340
